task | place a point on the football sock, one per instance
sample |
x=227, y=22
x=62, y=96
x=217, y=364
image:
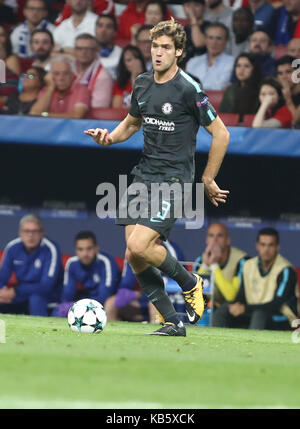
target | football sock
x=153, y=285
x=172, y=268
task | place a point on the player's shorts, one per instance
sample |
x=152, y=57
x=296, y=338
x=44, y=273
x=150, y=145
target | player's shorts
x=146, y=206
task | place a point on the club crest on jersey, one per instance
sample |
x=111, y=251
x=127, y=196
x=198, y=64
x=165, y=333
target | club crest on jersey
x=167, y=108
x=202, y=102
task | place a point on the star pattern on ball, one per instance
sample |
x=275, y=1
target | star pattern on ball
x=78, y=322
x=91, y=306
x=97, y=326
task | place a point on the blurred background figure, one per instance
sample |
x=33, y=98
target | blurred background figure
x=91, y=72
x=263, y=13
x=110, y=53
x=214, y=68
x=216, y=11
x=293, y=47
x=242, y=27
x=132, y=15
x=35, y=12
x=262, y=46
x=42, y=44
x=130, y=66
x=241, y=96
x=99, y=7
x=143, y=42
x=11, y=60
x=20, y=103
x=290, y=89
x=62, y=96
x=272, y=112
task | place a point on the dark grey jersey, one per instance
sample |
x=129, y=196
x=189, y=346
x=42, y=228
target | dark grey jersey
x=172, y=113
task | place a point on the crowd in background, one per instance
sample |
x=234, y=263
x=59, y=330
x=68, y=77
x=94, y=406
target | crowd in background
x=70, y=60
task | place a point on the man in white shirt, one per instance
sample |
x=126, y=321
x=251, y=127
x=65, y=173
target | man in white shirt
x=35, y=12
x=214, y=68
x=110, y=54
x=81, y=21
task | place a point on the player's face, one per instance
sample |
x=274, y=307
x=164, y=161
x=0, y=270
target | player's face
x=62, y=76
x=243, y=69
x=164, y=55
x=217, y=235
x=267, y=248
x=268, y=91
x=31, y=235
x=86, y=250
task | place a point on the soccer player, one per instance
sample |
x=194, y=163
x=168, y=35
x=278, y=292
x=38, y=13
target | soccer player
x=171, y=106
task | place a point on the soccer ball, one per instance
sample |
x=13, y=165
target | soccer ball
x=87, y=316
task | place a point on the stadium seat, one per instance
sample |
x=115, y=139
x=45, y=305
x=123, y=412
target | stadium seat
x=230, y=119
x=25, y=63
x=215, y=98
x=279, y=51
x=108, y=114
x=247, y=121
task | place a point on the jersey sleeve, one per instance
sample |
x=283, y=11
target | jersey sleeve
x=203, y=111
x=134, y=109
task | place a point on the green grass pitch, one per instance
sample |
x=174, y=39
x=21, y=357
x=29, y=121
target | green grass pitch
x=45, y=365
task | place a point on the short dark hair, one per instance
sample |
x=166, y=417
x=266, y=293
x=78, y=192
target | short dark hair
x=218, y=25
x=142, y=28
x=286, y=59
x=268, y=231
x=42, y=1
x=109, y=16
x=45, y=31
x=163, y=7
x=86, y=235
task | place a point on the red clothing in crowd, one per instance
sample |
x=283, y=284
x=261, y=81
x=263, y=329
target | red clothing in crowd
x=284, y=115
x=297, y=31
x=123, y=92
x=99, y=7
x=128, y=18
x=77, y=95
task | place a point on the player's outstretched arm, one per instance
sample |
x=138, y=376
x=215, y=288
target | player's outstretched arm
x=122, y=132
x=220, y=140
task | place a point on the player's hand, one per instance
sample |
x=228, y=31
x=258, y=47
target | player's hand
x=214, y=193
x=101, y=136
x=236, y=309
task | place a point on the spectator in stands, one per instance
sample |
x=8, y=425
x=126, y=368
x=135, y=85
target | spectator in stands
x=272, y=112
x=242, y=26
x=293, y=47
x=110, y=53
x=132, y=15
x=215, y=67
x=285, y=21
x=7, y=15
x=11, y=60
x=155, y=12
x=216, y=11
x=290, y=89
x=36, y=262
x=91, y=72
x=241, y=96
x=222, y=259
x=263, y=13
x=20, y=103
x=131, y=303
x=266, y=298
x=41, y=45
x=143, y=42
x=130, y=66
x=261, y=45
x=99, y=7
x=195, y=30
x=35, y=12
x=89, y=274
x=81, y=21
x=62, y=97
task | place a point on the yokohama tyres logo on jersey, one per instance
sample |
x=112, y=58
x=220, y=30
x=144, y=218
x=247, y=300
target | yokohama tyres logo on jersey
x=161, y=124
